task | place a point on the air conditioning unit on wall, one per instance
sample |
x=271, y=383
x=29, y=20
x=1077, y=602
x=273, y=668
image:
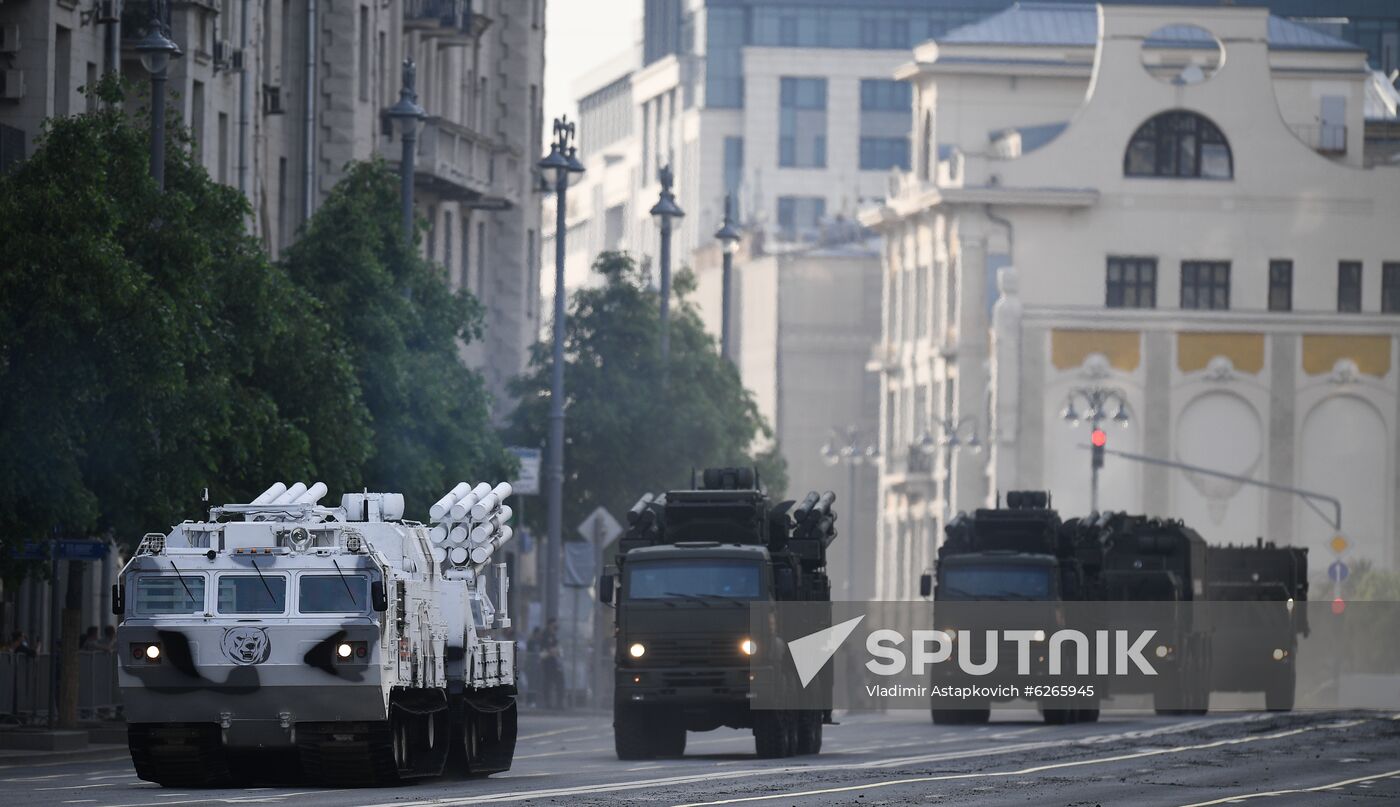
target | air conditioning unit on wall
x=9, y=38
x=11, y=84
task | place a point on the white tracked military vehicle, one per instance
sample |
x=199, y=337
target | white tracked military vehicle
x=346, y=643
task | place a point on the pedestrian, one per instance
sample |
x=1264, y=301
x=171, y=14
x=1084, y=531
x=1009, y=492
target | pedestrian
x=533, y=675
x=89, y=639
x=552, y=666
x=19, y=645
x=109, y=639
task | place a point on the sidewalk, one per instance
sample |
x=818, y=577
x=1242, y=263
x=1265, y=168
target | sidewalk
x=35, y=746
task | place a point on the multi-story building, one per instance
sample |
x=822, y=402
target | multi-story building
x=1178, y=204
x=280, y=95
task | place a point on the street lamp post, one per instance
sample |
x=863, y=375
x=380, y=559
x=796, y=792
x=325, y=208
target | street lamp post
x=562, y=161
x=1095, y=402
x=728, y=236
x=847, y=450
x=664, y=211
x=157, y=49
x=409, y=117
x=951, y=439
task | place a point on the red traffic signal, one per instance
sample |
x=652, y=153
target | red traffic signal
x=1098, y=438
x=1338, y=606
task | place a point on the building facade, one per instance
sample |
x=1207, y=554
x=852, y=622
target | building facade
x=1175, y=204
x=279, y=95
x=803, y=318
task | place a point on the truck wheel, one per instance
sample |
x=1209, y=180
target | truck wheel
x=772, y=734
x=668, y=738
x=631, y=734
x=945, y=717
x=178, y=754
x=1279, y=695
x=1088, y=714
x=809, y=732
x=1058, y=717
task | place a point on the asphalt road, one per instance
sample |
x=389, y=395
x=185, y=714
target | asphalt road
x=895, y=758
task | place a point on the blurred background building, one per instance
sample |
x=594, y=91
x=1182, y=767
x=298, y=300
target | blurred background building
x=279, y=95
x=1198, y=207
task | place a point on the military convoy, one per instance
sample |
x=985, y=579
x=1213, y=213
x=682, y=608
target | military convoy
x=1226, y=618
x=352, y=642
x=688, y=567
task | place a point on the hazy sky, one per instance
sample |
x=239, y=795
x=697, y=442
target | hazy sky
x=580, y=35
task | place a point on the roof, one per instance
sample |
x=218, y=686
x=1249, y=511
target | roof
x=1077, y=25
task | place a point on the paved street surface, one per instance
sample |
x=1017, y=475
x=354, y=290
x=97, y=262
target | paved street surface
x=896, y=758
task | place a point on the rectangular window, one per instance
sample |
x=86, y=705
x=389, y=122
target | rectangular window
x=1390, y=288
x=1132, y=282
x=332, y=593
x=252, y=594
x=63, y=59
x=283, y=229
x=733, y=168
x=197, y=118
x=464, y=271
x=1280, y=285
x=532, y=271
x=1349, y=287
x=802, y=123
x=1205, y=285
x=165, y=594
x=222, y=146
x=481, y=261
x=884, y=153
x=447, y=230
x=382, y=54
x=364, y=53
x=884, y=124
x=799, y=215
x=91, y=85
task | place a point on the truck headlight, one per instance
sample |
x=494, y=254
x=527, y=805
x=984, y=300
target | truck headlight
x=345, y=650
x=351, y=652
x=146, y=651
x=747, y=646
x=637, y=650
x=1280, y=654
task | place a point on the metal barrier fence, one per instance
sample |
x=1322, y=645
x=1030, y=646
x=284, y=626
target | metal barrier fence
x=25, y=682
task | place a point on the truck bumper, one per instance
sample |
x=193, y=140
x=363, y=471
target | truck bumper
x=687, y=686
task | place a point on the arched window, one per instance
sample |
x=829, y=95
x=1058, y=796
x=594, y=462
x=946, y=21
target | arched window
x=926, y=160
x=1179, y=144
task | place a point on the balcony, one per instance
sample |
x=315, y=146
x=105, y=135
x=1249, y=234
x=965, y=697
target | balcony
x=452, y=18
x=457, y=163
x=1324, y=138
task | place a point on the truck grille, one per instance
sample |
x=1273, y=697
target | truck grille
x=699, y=652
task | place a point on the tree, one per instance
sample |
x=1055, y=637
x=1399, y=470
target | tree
x=404, y=328
x=148, y=348
x=627, y=432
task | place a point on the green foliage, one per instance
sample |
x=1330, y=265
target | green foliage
x=627, y=432
x=402, y=326
x=148, y=349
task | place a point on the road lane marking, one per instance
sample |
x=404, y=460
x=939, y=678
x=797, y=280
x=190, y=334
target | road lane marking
x=38, y=778
x=80, y=801
x=1030, y=770
x=65, y=762
x=711, y=774
x=1292, y=791
x=78, y=787
x=554, y=732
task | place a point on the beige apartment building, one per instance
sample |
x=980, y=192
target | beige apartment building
x=281, y=94
x=1182, y=205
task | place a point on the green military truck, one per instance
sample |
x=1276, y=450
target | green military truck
x=688, y=568
x=1263, y=591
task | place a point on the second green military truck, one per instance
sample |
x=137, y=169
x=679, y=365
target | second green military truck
x=689, y=567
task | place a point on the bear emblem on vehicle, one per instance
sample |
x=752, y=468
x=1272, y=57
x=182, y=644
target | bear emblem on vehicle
x=246, y=646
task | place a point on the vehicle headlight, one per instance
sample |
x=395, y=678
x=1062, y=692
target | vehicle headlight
x=1038, y=636
x=344, y=650
x=747, y=646
x=152, y=652
x=1162, y=651
x=637, y=650
x=1280, y=654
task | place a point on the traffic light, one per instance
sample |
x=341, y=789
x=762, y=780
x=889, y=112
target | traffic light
x=1099, y=440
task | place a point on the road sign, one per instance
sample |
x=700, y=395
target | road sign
x=1339, y=544
x=529, y=482
x=1338, y=571
x=600, y=527
x=67, y=549
x=580, y=564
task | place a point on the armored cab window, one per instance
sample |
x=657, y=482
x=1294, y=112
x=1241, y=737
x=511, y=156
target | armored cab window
x=333, y=594
x=251, y=594
x=669, y=579
x=165, y=594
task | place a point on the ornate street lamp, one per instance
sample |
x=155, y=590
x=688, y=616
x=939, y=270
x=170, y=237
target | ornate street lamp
x=408, y=118
x=728, y=237
x=846, y=450
x=157, y=49
x=663, y=212
x=954, y=435
x=563, y=162
x=1095, y=403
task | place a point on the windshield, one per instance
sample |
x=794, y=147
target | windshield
x=996, y=582
x=249, y=594
x=694, y=578
x=332, y=594
x=164, y=594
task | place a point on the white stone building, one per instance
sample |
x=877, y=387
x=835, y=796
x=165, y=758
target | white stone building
x=1194, y=219
x=281, y=94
